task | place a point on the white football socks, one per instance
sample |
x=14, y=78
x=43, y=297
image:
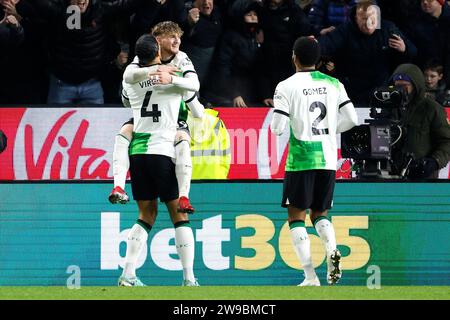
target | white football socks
x=325, y=230
x=183, y=167
x=137, y=237
x=184, y=241
x=121, y=162
x=300, y=240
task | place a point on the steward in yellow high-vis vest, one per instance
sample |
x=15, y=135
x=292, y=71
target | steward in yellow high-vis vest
x=210, y=146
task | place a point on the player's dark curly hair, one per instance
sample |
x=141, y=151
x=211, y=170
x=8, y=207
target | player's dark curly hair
x=307, y=51
x=147, y=48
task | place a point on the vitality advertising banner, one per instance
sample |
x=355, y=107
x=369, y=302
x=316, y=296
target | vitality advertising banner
x=77, y=143
x=388, y=233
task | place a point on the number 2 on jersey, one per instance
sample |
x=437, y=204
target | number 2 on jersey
x=155, y=113
x=322, y=115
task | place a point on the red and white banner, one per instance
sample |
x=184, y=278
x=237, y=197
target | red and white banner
x=77, y=143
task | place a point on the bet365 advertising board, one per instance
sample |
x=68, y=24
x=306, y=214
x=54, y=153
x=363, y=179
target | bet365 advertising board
x=394, y=232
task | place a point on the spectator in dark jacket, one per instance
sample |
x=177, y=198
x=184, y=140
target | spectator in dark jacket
x=28, y=58
x=239, y=57
x=402, y=12
x=153, y=12
x=368, y=50
x=225, y=8
x=282, y=22
x=431, y=34
x=328, y=13
x=11, y=36
x=201, y=35
x=80, y=46
x=305, y=5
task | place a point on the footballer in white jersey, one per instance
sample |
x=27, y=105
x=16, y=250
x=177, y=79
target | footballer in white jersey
x=316, y=108
x=155, y=104
x=155, y=112
x=312, y=101
x=181, y=61
x=184, y=77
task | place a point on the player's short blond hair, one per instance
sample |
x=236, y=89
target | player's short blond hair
x=167, y=28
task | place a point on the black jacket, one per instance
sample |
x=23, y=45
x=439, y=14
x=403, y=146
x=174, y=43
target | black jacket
x=281, y=27
x=10, y=38
x=430, y=35
x=152, y=12
x=77, y=55
x=239, y=57
x=364, y=62
x=206, y=32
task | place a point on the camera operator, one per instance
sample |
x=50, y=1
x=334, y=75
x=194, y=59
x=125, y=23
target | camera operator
x=427, y=140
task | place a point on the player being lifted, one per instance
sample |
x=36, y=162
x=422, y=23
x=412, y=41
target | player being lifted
x=174, y=61
x=155, y=105
x=316, y=107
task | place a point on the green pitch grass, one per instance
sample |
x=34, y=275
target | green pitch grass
x=227, y=293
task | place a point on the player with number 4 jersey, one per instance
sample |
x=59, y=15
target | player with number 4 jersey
x=155, y=104
x=316, y=108
x=154, y=133
x=182, y=74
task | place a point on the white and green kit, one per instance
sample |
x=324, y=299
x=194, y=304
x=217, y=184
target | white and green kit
x=316, y=107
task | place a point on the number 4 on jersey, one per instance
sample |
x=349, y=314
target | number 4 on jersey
x=155, y=113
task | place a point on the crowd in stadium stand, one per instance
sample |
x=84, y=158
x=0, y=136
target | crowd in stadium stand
x=241, y=49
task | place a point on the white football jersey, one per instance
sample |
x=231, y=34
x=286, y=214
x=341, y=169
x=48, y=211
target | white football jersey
x=311, y=100
x=180, y=60
x=155, y=112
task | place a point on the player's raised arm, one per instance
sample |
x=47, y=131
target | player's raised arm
x=134, y=73
x=190, y=82
x=280, y=118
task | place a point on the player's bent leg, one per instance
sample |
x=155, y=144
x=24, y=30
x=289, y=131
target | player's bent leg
x=121, y=164
x=136, y=242
x=184, y=242
x=326, y=232
x=183, y=169
x=301, y=243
